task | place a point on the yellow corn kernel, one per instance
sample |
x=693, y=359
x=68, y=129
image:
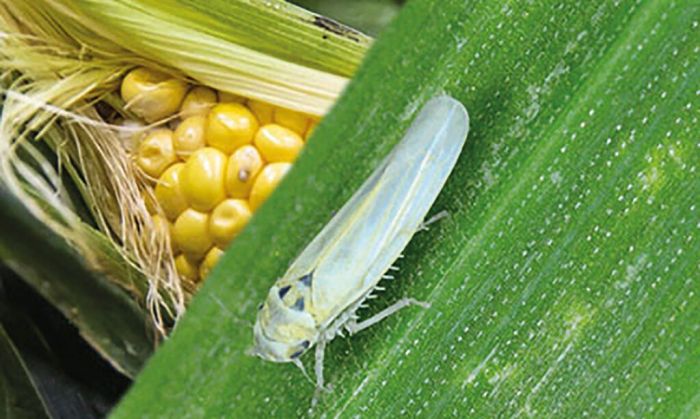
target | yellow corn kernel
x=191, y=234
x=228, y=219
x=263, y=111
x=310, y=130
x=295, y=121
x=169, y=191
x=203, y=178
x=242, y=169
x=198, y=102
x=266, y=182
x=156, y=152
x=189, y=136
x=186, y=269
x=210, y=260
x=151, y=94
x=226, y=97
x=277, y=143
x=229, y=126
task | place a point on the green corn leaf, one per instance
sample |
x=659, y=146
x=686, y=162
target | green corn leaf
x=564, y=282
x=20, y=397
x=44, y=368
x=106, y=316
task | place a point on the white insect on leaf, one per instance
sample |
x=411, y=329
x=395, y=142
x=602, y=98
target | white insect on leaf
x=323, y=288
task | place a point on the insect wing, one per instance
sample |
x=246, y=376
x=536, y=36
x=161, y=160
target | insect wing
x=368, y=234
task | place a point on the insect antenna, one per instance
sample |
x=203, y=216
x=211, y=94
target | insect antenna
x=232, y=316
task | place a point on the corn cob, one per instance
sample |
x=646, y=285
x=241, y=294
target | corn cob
x=212, y=159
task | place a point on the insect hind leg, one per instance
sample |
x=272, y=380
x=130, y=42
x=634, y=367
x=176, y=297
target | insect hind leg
x=352, y=326
x=318, y=370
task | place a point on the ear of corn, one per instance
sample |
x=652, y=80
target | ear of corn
x=174, y=122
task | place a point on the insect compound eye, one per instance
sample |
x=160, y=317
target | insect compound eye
x=284, y=290
x=306, y=279
x=260, y=306
x=299, y=304
x=304, y=346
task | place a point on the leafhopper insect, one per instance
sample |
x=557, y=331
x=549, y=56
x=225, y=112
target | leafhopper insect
x=321, y=291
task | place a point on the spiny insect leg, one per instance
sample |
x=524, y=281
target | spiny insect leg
x=318, y=369
x=353, y=327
